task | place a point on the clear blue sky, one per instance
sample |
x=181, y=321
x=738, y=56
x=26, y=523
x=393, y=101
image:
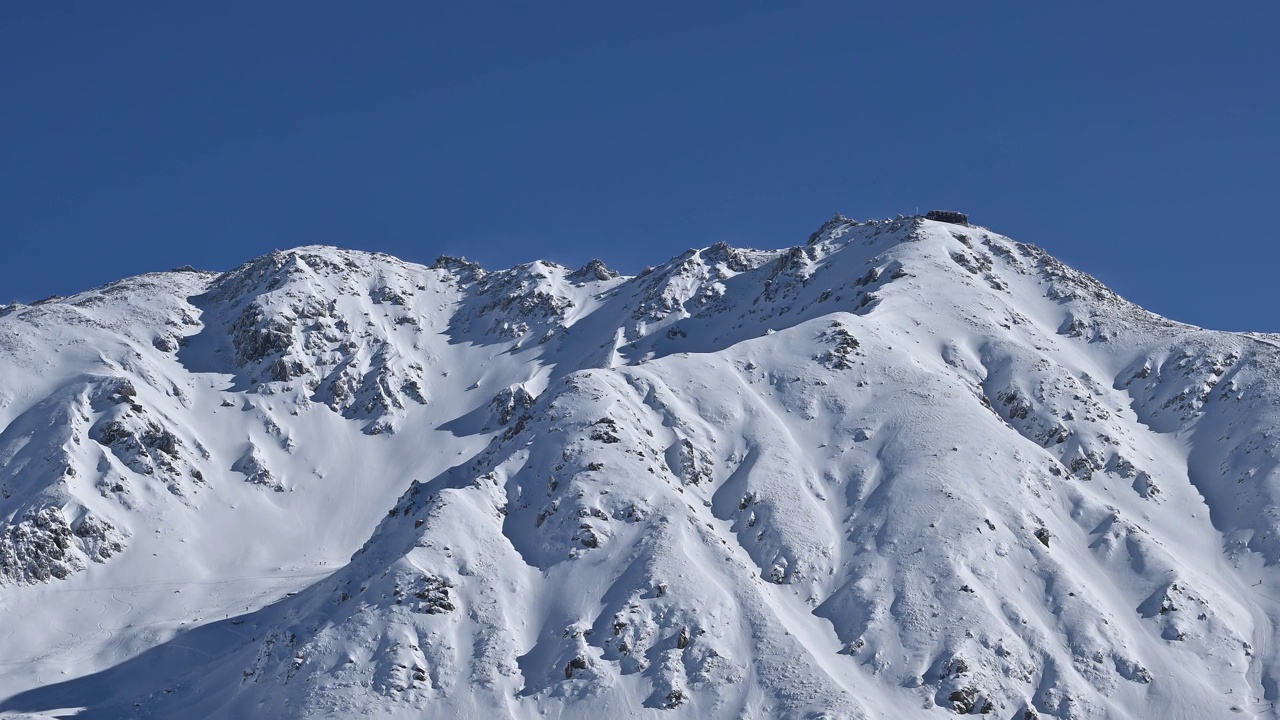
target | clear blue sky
x=1137, y=141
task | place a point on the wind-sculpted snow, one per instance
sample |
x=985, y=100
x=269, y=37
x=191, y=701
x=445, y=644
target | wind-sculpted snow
x=906, y=469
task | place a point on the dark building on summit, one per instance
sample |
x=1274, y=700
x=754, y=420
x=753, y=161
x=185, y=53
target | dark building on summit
x=946, y=216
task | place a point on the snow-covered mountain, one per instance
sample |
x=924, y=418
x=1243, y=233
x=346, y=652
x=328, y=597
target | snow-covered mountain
x=906, y=469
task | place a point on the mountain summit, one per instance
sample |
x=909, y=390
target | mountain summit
x=907, y=469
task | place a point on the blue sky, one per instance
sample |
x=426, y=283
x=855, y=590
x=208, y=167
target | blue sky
x=1137, y=141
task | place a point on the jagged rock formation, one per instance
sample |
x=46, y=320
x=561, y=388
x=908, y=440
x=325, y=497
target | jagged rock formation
x=908, y=468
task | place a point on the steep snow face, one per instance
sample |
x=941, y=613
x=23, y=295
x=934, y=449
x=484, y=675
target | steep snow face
x=908, y=469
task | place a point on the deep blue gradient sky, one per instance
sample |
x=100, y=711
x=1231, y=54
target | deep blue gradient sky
x=1139, y=142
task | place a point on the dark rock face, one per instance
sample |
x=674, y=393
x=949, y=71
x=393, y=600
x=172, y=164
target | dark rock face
x=594, y=270
x=257, y=335
x=947, y=216
x=46, y=546
x=578, y=663
x=432, y=593
x=38, y=548
x=843, y=348
x=255, y=470
x=510, y=402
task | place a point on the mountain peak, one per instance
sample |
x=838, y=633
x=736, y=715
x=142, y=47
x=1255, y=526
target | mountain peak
x=909, y=463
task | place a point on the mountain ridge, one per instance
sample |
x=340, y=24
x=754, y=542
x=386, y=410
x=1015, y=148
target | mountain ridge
x=906, y=464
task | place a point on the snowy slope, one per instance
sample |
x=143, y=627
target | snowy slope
x=907, y=469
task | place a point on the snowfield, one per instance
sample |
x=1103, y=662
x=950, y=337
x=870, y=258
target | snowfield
x=907, y=469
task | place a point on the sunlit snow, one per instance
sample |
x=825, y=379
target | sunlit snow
x=906, y=469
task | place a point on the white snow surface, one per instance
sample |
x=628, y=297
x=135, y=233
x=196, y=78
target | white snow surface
x=907, y=469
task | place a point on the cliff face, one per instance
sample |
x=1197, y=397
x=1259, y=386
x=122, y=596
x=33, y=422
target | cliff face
x=906, y=469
